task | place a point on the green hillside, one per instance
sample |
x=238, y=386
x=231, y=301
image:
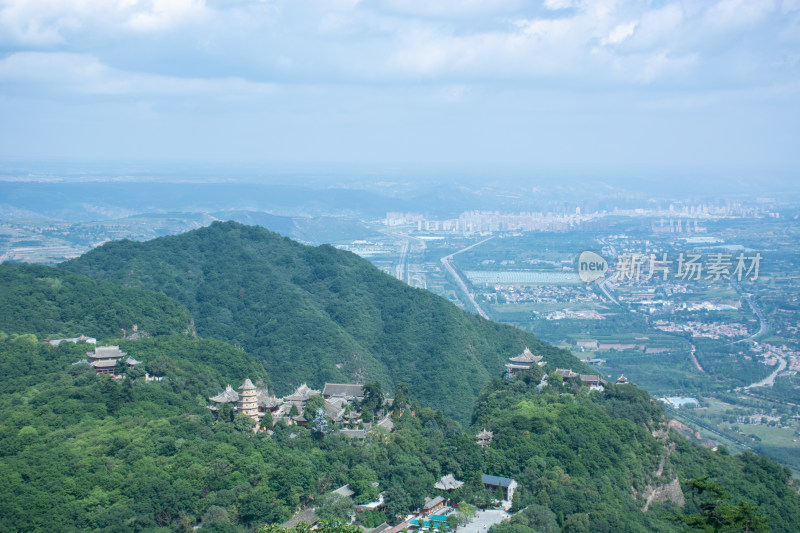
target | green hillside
x=51, y=302
x=318, y=314
x=83, y=452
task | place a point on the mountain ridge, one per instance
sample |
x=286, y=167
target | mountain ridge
x=319, y=314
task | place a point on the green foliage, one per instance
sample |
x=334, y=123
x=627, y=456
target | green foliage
x=322, y=527
x=313, y=404
x=81, y=451
x=714, y=513
x=319, y=314
x=372, y=519
x=334, y=506
x=465, y=513
x=53, y=303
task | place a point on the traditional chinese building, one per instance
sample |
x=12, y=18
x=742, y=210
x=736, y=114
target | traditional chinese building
x=105, y=358
x=249, y=400
x=448, y=482
x=567, y=373
x=484, y=438
x=300, y=396
x=523, y=362
x=345, y=391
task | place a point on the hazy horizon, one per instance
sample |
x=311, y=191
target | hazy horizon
x=563, y=88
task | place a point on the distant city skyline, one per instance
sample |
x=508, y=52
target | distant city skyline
x=565, y=87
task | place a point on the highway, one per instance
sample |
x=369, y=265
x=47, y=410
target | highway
x=463, y=286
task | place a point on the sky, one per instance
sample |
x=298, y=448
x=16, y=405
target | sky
x=603, y=86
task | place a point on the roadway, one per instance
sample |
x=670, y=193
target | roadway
x=463, y=286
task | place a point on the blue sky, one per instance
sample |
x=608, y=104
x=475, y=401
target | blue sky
x=606, y=86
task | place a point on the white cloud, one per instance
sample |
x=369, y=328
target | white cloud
x=49, y=22
x=736, y=14
x=558, y=4
x=620, y=33
x=85, y=74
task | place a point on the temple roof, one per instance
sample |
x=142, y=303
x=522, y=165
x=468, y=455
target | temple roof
x=353, y=433
x=267, y=401
x=345, y=491
x=448, y=482
x=302, y=394
x=526, y=357
x=106, y=352
x=104, y=363
x=334, y=409
x=247, y=385
x=433, y=502
x=228, y=395
x=485, y=434
x=567, y=373
x=343, y=390
x=385, y=423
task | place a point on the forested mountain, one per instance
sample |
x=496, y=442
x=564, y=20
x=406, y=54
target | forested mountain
x=589, y=461
x=80, y=451
x=319, y=314
x=51, y=302
x=83, y=452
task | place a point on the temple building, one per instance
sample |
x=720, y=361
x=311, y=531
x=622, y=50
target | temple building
x=523, y=362
x=567, y=373
x=448, y=482
x=345, y=391
x=300, y=396
x=105, y=358
x=249, y=400
x=484, y=438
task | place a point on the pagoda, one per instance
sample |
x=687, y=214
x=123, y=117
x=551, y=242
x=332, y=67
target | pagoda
x=248, y=400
